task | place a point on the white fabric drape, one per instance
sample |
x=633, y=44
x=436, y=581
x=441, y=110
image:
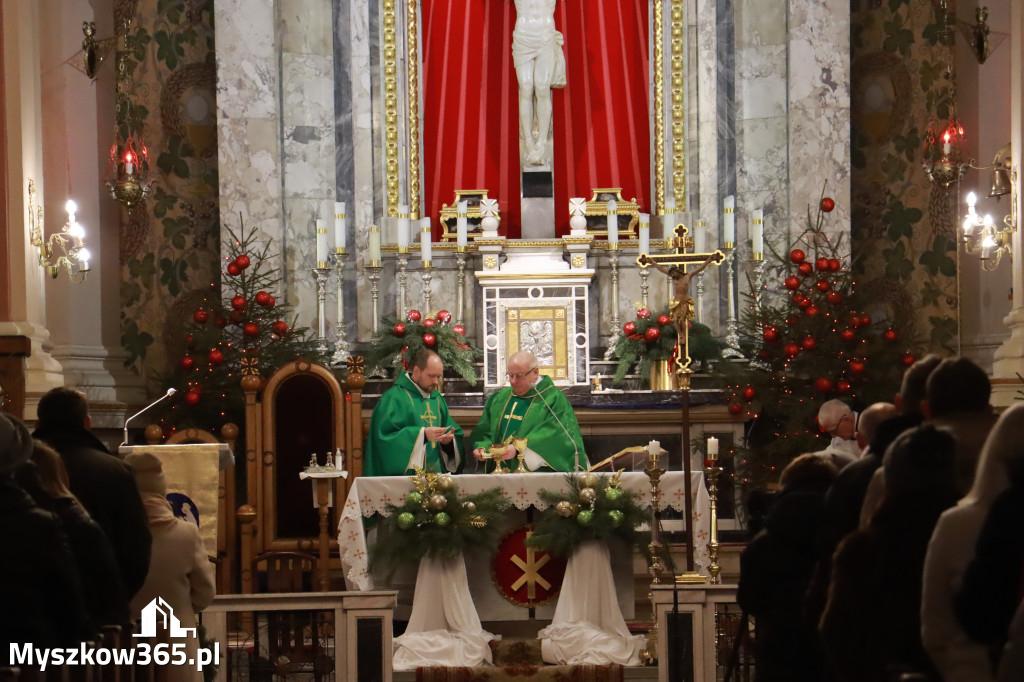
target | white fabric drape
x=444, y=628
x=588, y=626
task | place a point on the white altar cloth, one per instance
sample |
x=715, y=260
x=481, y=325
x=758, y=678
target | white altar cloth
x=371, y=495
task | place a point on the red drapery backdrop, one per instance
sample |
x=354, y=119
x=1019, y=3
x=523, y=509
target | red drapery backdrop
x=470, y=119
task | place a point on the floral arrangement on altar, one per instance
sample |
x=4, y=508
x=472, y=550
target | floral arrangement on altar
x=434, y=520
x=595, y=508
x=651, y=337
x=405, y=339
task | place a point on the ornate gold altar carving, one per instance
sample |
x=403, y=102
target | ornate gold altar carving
x=389, y=19
x=413, y=32
x=597, y=212
x=474, y=214
x=678, y=34
x=542, y=331
x=659, y=108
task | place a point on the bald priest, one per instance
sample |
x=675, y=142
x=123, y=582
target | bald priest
x=531, y=408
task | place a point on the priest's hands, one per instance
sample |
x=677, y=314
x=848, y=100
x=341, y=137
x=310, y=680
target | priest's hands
x=480, y=453
x=438, y=434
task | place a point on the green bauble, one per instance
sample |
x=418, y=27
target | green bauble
x=442, y=519
x=585, y=517
x=406, y=520
x=615, y=516
x=613, y=495
x=415, y=497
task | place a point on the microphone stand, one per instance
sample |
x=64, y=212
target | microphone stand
x=170, y=392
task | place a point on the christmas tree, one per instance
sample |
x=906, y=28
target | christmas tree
x=239, y=329
x=811, y=338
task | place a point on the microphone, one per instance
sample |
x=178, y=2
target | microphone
x=170, y=392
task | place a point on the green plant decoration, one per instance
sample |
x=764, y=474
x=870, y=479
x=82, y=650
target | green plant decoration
x=403, y=340
x=653, y=337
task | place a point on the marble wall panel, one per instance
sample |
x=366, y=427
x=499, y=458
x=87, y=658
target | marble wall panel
x=308, y=89
x=246, y=59
x=309, y=167
x=249, y=170
x=305, y=26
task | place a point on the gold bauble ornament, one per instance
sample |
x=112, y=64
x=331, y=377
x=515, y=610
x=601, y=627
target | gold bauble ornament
x=588, y=495
x=564, y=508
x=468, y=506
x=438, y=502
x=588, y=480
x=444, y=482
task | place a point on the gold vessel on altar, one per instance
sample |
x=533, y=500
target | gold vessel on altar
x=663, y=376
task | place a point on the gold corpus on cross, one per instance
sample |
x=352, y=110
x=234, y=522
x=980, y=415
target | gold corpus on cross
x=531, y=571
x=681, y=258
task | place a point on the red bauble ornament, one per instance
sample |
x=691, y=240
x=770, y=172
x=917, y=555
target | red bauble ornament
x=629, y=328
x=797, y=256
x=770, y=334
x=805, y=269
x=858, y=367
x=797, y=297
x=200, y=316
x=263, y=298
x=664, y=319
x=398, y=329
x=834, y=297
x=413, y=316
x=459, y=329
x=806, y=304
x=189, y=341
x=823, y=285
x=220, y=321
x=239, y=302
x=890, y=335
x=843, y=386
x=812, y=310
x=215, y=357
x=792, y=283
x=243, y=261
x=192, y=395
x=652, y=334
x=827, y=204
x=848, y=335
x=908, y=360
x=749, y=393
x=834, y=265
x=643, y=314
x=237, y=317
x=791, y=349
x=280, y=328
x=823, y=385
x=429, y=322
x=808, y=343
x=233, y=269
x=187, y=363
x=821, y=265
x=792, y=319
x=865, y=320
x=444, y=317
x=250, y=329
x=429, y=340
x=735, y=408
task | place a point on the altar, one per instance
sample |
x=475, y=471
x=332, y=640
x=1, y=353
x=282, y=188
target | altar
x=370, y=496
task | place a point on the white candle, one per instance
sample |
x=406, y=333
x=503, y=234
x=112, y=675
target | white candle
x=425, y=240
x=339, y=460
x=645, y=233
x=757, y=232
x=700, y=236
x=946, y=146
x=403, y=227
x=462, y=223
x=373, y=247
x=712, y=448
x=972, y=200
x=340, y=236
x=321, y=243
x=613, y=222
x=729, y=220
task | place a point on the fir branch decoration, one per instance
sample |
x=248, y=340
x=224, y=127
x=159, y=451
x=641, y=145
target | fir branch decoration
x=636, y=344
x=404, y=340
x=434, y=520
x=595, y=508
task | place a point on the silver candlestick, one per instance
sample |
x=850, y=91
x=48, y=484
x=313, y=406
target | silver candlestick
x=428, y=275
x=700, y=298
x=341, y=350
x=644, y=286
x=758, y=279
x=613, y=259
x=374, y=269
x=403, y=282
x=321, y=275
x=460, y=293
x=732, y=337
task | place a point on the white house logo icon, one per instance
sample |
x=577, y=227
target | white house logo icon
x=159, y=609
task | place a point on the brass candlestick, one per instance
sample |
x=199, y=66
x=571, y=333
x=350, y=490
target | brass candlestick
x=649, y=654
x=321, y=274
x=711, y=473
x=613, y=259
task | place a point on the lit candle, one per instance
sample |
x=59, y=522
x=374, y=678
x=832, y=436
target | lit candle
x=321, y=243
x=972, y=200
x=613, y=222
x=729, y=221
x=645, y=233
x=988, y=244
x=946, y=146
x=373, y=248
x=83, y=260
x=757, y=233
x=462, y=224
x=712, y=452
x=403, y=227
x=340, y=230
x=425, y=241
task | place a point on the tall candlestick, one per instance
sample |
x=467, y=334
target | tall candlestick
x=729, y=221
x=340, y=227
x=757, y=234
x=321, y=243
x=645, y=233
x=403, y=228
x=373, y=247
x=425, y=241
x=613, y=222
x=462, y=224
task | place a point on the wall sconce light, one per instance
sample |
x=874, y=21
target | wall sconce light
x=981, y=236
x=64, y=250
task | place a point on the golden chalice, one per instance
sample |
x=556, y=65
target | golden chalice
x=497, y=452
x=520, y=445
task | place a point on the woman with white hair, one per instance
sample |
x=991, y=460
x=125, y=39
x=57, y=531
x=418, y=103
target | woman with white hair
x=957, y=656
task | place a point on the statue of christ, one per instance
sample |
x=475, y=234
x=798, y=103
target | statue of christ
x=540, y=66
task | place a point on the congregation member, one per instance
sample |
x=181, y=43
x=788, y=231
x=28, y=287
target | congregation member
x=101, y=482
x=956, y=655
x=533, y=409
x=411, y=426
x=838, y=420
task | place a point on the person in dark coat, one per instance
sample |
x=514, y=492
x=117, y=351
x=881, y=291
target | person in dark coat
x=103, y=484
x=775, y=570
x=46, y=481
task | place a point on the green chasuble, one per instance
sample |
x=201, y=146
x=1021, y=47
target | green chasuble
x=543, y=416
x=396, y=442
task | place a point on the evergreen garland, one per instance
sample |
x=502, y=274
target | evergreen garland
x=606, y=511
x=434, y=520
x=403, y=340
x=637, y=345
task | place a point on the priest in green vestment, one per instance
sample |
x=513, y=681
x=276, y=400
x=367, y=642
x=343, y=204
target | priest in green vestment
x=531, y=408
x=411, y=426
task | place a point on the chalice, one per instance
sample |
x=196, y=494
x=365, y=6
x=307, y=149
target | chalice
x=497, y=453
x=520, y=445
